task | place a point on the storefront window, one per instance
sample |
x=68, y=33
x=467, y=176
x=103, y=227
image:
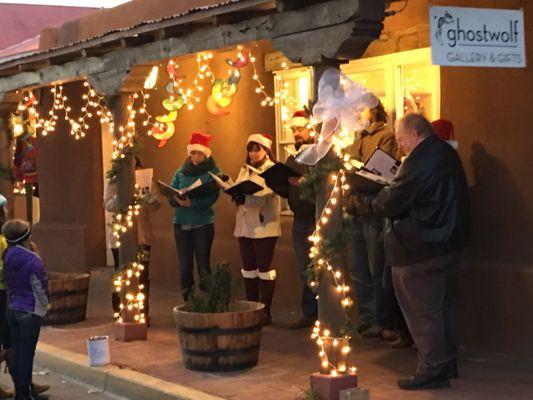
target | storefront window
x=419, y=89
x=295, y=87
x=375, y=81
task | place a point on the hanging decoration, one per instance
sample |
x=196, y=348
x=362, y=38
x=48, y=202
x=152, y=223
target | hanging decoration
x=93, y=103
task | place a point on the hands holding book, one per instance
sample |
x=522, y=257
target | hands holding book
x=183, y=201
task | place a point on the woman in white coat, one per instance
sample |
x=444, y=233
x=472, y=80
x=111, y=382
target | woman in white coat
x=258, y=226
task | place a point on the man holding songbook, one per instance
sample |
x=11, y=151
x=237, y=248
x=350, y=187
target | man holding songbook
x=194, y=216
x=367, y=253
x=304, y=217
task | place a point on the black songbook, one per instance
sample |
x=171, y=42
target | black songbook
x=193, y=191
x=278, y=175
x=375, y=174
x=247, y=187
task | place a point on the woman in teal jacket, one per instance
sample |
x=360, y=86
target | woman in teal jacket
x=194, y=219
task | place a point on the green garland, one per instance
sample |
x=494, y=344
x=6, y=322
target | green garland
x=312, y=182
x=119, y=163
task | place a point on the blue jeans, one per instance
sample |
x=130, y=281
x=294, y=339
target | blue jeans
x=367, y=262
x=191, y=244
x=25, y=328
x=301, y=230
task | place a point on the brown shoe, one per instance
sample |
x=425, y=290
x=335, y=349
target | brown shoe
x=303, y=322
x=389, y=335
x=40, y=388
x=6, y=394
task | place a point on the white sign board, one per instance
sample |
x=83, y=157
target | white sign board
x=477, y=37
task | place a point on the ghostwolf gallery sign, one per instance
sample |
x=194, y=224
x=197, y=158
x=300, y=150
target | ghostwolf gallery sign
x=477, y=37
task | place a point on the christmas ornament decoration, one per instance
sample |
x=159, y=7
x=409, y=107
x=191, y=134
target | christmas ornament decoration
x=163, y=134
x=214, y=108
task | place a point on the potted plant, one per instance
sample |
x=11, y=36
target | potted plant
x=217, y=334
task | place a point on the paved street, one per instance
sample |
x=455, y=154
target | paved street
x=62, y=388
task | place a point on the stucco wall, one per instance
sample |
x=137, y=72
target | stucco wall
x=229, y=150
x=489, y=108
x=70, y=234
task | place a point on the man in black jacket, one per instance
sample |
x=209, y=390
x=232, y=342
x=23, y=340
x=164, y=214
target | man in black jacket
x=428, y=214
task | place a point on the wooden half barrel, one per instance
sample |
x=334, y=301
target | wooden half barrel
x=220, y=341
x=68, y=298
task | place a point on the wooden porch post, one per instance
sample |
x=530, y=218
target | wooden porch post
x=125, y=183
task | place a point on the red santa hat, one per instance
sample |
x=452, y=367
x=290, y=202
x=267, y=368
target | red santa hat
x=200, y=142
x=444, y=131
x=264, y=139
x=299, y=119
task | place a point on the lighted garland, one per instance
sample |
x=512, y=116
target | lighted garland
x=122, y=221
x=130, y=291
x=323, y=250
x=93, y=104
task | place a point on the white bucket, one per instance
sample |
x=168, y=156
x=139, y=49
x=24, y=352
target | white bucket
x=98, y=351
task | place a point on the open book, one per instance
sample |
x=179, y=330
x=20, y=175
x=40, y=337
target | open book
x=376, y=173
x=250, y=186
x=196, y=189
x=278, y=175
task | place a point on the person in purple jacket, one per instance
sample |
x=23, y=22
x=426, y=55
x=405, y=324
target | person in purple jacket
x=27, y=285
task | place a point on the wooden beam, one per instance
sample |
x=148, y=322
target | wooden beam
x=324, y=28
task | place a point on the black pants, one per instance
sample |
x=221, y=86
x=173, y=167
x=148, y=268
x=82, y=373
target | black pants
x=193, y=244
x=427, y=293
x=25, y=328
x=5, y=333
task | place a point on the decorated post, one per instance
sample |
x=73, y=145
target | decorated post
x=339, y=100
x=130, y=322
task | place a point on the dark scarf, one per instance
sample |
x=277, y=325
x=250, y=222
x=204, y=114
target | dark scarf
x=189, y=169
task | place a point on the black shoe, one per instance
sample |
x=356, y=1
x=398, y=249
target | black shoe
x=421, y=382
x=363, y=326
x=373, y=332
x=402, y=343
x=450, y=370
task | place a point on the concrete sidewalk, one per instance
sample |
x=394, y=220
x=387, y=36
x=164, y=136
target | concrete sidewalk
x=153, y=369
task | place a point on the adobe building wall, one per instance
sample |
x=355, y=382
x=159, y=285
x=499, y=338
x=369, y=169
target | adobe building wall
x=229, y=135
x=70, y=234
x=489, y=108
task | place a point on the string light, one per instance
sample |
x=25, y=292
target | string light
x=93, y=103
x=121, y=222
x=325, y=342
x=268, y=100
x=130, y=291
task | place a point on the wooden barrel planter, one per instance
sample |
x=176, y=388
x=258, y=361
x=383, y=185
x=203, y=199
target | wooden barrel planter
x=220, y=341
x=68, y=298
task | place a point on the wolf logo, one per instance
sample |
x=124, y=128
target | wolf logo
x=441, y=21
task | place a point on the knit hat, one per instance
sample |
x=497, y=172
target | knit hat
x=299, y=119
x=200, y=142
x=264, y=139
x=444, y=131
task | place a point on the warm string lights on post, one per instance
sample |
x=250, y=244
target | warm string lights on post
x=122, y=221
x=333, y=351
x=130, y=291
